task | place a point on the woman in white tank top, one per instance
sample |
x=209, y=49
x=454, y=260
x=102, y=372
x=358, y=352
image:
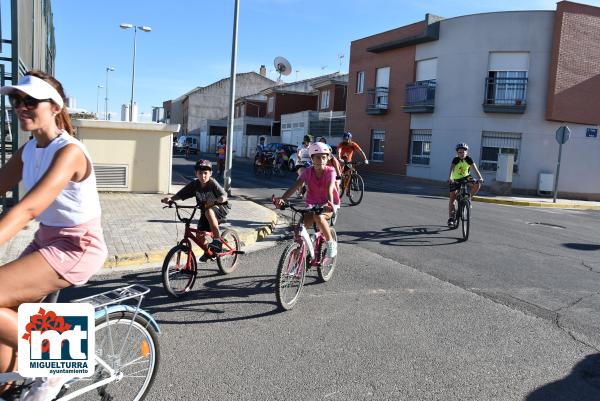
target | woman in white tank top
x=57, y=172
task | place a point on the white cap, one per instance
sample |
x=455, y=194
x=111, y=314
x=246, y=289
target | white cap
x=36, y=88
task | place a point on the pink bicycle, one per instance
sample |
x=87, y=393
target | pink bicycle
x=302, y=253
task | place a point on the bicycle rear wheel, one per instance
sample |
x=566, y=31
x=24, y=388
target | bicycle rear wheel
x=465, y=216
x=290, y=276
x=130, y=347
x=357, y=189
x=179, y=271
x=327, y=266
x=228, y=262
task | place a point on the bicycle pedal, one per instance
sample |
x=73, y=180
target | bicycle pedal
x=239, y=252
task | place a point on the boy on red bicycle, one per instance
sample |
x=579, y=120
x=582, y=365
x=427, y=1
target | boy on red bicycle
x=320, y=183
x=208, y=195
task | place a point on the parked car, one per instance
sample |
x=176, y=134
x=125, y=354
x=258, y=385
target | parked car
x=273, y=147
x=186, y=140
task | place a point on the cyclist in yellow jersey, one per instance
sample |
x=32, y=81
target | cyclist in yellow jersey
x=460, y=170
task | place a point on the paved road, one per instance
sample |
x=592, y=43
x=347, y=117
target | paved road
x=414, y=313
x=379, y=330
x=544, y=262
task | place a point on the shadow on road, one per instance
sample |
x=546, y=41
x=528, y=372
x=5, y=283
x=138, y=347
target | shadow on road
x=582, y=384
x=215, y=298
x=581, y=247
x=403, y=236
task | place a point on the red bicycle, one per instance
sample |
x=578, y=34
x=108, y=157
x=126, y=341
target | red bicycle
x=180, y=267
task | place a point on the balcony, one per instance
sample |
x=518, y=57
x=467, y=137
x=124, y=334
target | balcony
x=377, y=101
x=420, y=97
x=505, y=95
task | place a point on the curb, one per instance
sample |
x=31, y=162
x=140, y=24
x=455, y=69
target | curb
x=247, y=238
x=536, y=203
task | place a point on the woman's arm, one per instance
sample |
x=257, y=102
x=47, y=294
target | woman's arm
x=11, y=173
x=69, y=163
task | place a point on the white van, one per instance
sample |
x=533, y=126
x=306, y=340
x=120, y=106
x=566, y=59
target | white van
x=183, y=141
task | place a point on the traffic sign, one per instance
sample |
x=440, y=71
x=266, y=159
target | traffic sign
x=563, y=134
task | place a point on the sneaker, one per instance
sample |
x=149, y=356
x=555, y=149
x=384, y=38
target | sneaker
x=45, y=389
x=204, y=258
x=216, y=246
x=451, y=222
x=331, y=249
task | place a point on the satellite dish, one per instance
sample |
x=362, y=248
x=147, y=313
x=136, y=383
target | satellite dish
x=282, y=66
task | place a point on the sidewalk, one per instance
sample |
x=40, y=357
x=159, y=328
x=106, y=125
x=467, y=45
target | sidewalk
x=138, y=230
x=412, y=185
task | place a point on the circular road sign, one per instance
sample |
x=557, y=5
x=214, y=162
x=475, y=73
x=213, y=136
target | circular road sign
x=563, y=134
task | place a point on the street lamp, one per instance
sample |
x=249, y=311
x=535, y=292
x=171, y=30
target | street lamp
x=98, y=99
x=135, y=28
x=106, y=96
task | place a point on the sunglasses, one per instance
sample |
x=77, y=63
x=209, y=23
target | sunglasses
x=27, y=101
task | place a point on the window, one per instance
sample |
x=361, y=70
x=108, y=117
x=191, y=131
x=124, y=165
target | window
x=507, y=87
x=360, y=82
x=493, y=143
x=377, y=145
x=270, y=104
x=420, y=146
x=325, y=99
x=242, y=110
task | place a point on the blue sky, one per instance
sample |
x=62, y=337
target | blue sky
x=190, y=42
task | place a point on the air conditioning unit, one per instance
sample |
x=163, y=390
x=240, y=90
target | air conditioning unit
x=545, y=184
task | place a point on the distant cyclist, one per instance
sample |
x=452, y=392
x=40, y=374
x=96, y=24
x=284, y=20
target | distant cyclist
x=460, y=170
x=347, y=148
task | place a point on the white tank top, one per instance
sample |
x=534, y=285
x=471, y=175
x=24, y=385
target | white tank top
x=78, y=202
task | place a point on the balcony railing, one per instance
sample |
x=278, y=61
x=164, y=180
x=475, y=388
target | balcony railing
x=505, y=95
x=377, y=100
x=420, y=97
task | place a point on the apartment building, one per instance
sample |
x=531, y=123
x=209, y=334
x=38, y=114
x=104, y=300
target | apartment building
x=502, y=82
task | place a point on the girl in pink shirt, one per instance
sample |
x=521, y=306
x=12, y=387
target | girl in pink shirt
x=320, y=183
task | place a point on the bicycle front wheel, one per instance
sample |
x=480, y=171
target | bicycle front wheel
x=227, y=262
x=356, y=189
x=327, y=266
x=179, y=271
x=130, y=347
x=290, y=276
x=465, y=216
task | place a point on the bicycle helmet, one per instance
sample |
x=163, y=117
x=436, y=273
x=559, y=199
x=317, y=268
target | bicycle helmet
x=462, y=145
x=347, y=135
x=203, y=164
x=318, y=148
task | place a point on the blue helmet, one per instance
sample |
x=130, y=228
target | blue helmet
x=347, y=135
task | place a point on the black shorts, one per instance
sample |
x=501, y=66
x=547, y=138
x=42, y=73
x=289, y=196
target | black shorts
x=221, y=212
x=455, y=186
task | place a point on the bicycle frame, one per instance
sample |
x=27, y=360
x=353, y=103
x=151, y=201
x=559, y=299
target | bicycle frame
x=197, y=236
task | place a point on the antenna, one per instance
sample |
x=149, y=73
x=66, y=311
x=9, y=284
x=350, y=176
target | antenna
x=341, y=56
x=282, y=66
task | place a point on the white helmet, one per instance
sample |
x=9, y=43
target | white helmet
x=318, y=148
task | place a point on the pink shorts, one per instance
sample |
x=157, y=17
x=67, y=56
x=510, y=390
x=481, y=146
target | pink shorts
x=76, y=253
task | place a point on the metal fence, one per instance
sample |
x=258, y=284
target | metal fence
x=421, y=93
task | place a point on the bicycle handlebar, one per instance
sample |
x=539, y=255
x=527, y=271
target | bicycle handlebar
x=177, y=207
x=318, y=209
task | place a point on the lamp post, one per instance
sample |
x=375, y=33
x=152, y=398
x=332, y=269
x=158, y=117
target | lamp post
x=98, y=100
x=106, y=96
x=230, y=122
x=135, y=28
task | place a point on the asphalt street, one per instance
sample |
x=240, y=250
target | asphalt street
x=412, y=311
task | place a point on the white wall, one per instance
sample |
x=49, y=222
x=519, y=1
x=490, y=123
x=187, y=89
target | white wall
x=463, y=59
